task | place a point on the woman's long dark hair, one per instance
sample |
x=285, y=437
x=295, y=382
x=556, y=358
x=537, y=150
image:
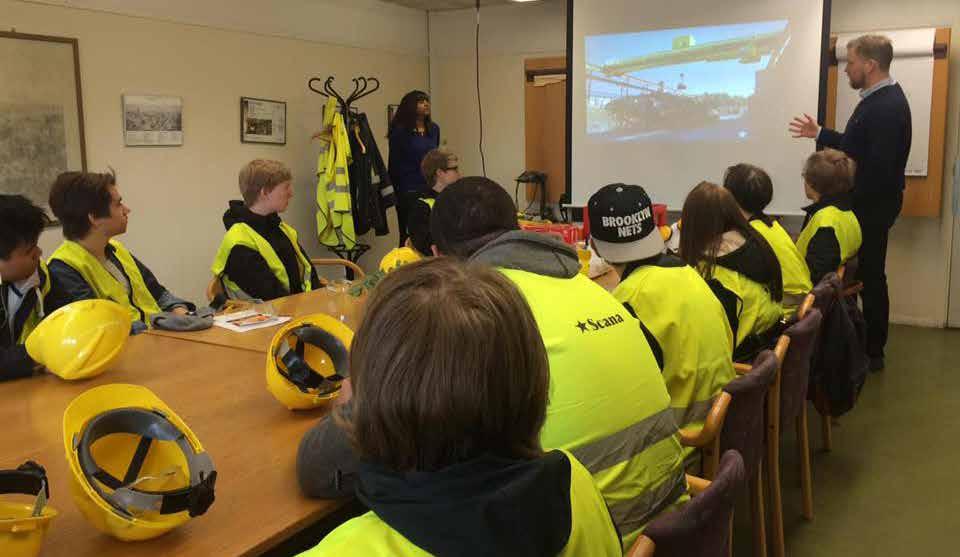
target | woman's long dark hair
x=708, y=212
x=406, y=116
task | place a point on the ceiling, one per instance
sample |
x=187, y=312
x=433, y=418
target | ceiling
x=434, y=5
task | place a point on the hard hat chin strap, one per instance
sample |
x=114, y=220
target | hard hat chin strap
x=28, y=479
x=125, y=498
x=300, y=373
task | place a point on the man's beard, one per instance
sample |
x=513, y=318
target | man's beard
x=856, y=84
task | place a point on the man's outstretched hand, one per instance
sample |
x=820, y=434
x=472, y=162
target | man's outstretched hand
x=804, y=126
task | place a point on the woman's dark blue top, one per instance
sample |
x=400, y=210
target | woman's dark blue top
x=407, y=150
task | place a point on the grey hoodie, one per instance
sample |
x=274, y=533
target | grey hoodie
x=532, y=252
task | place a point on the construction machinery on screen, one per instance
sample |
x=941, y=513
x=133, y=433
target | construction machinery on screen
x=652, y=105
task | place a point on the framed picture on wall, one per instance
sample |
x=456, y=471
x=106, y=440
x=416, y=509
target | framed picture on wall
x=41, y=113
x=152, y=120
x=263, y=121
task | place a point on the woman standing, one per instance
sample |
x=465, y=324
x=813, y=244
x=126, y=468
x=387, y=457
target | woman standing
x=412, y=134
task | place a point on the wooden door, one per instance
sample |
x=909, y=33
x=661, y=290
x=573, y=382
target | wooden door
x=545, y=123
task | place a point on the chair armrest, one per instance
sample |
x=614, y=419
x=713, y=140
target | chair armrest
x=806, y=305
x=742, y=369
x=692, y=437
x=697, y=485
x=643, y=547
x=341, y=262
x=853, y=289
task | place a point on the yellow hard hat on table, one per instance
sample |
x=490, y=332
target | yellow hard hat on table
x=81, y=339
x=23, y=526
x=137, y=470
x=309, y=357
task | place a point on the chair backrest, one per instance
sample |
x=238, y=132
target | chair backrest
x=795, y=371
x=349, y=265
x=743, y=428
x=701, y=528
x=825, y=293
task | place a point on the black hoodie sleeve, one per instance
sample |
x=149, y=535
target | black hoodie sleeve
x=326, y=463
x=15, y=363
x=823, y=254
x=730, y=302
x=248, y=269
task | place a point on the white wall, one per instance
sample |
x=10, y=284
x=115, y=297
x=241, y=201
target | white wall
x=508, y=35
x=178, y=194
x=919, y=250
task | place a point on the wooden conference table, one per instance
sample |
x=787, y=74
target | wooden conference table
x=221, y=394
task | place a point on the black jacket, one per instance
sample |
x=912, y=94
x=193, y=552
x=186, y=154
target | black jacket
x=68, y=286
x=488, y=505
x=838, y=369
x=370, y=188
x=14, y=360
x=823, y=251
x=249, y=270
x=877, y=137
x=418, y=220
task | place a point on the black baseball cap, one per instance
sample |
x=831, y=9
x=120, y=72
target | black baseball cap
x=470, y=213
x=622, y=225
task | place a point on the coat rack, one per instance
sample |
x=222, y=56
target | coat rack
x=362, y=87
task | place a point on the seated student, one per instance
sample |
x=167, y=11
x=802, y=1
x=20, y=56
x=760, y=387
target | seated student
x=24, y=282
x=440, y=169
x=681, y=318
x=831, y=232
x=90, y=263
x=752, y=188
x=608, y=402
x=260, y=257
x=446, y=419
x=737, y=263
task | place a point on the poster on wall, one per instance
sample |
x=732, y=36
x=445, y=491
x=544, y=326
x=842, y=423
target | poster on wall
x=263, y=121
x=41, y=113
x=152, y=120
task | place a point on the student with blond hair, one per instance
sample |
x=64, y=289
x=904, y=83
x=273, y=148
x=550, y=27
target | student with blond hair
x=260, y=256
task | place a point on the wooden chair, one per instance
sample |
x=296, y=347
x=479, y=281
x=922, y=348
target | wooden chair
x=321, y=262
x=789, y=404
x=737, y=422
x=846, y=272
x=701, y=528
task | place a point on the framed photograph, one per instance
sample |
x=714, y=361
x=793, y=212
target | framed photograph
x=152, y=120
x=41, y=113
x=263, y=121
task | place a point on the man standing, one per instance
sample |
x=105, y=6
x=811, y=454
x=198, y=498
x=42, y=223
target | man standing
x=877, y=138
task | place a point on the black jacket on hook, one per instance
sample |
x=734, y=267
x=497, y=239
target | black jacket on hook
x=370, y=187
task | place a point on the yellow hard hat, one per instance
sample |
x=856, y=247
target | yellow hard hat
x=308, y=359
x=397, y=257
x=137, y=471
x=23, y=526
x=80, y=339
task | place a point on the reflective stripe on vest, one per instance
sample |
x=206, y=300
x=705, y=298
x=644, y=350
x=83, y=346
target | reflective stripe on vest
x=591, y=532
x=429, y=201
x=242, y=234
x=608, y=403
x=844, y=224
x=139, y=299
x=793, y=267
x=757, y=311
x=689, y=323
x=37, y=313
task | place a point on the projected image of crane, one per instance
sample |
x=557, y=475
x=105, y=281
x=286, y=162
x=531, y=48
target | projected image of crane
x=681, y=84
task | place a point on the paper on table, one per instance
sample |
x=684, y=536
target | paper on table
x=249, y=320
x=912, y=68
